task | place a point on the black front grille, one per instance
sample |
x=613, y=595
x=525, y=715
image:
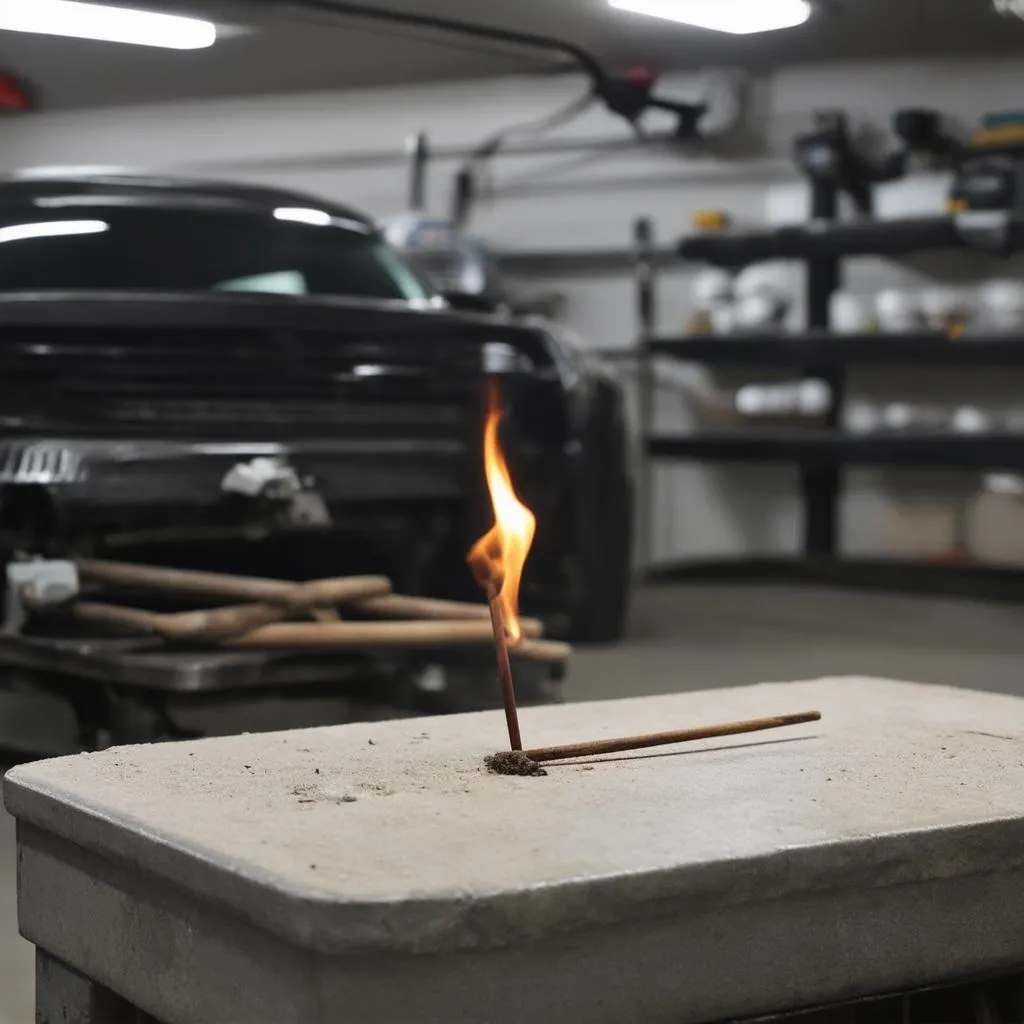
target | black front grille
x=141, y=417
x=179, y=382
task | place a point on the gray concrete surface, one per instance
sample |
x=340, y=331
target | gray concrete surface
x=331, y=854
x=692, y=638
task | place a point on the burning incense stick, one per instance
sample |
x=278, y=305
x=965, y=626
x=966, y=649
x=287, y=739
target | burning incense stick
x=508, y=689
x=527, y=762
x=497, y=558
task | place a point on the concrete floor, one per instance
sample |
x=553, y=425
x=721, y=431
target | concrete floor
x=697, y=637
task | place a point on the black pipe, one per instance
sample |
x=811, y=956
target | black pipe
x=647, y=317
x=822, y=485
x=419, y=154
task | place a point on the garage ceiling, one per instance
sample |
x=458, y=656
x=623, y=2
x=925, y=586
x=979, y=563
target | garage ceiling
x=280, y=48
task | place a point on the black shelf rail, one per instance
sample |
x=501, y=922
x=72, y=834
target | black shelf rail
x=830, y=449
x=825, y=239
x=840, y=350
x=955, y=579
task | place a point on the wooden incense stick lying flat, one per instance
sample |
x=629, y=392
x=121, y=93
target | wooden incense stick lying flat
x=338, y=635
x=659, y=739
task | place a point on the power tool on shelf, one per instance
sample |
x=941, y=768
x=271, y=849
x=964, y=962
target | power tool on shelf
x=987, y=197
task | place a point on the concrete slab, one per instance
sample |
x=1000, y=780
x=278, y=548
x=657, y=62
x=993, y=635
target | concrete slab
x=881, y=846
x=17, y=957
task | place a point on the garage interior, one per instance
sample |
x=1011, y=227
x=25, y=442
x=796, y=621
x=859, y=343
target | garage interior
x=751, y=301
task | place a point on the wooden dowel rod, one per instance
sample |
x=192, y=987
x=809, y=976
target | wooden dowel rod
x=135, y=620
x=400, y=606
x=221, y=623
x=659, y=739
x=364, y=634
x=216, y=624
x=239, y=588
x=434, y=633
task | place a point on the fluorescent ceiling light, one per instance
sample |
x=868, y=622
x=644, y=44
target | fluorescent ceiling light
x=51, y=229
x=109, y=24
x=303, y=215
x=740, y=17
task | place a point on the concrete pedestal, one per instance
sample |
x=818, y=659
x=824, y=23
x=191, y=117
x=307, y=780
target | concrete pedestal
x=375, y=872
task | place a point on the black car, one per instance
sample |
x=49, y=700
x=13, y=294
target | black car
x=239, y=378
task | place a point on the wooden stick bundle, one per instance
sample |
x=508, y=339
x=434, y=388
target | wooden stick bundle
x=368, y=595
x=425, y=622
x=339, y=635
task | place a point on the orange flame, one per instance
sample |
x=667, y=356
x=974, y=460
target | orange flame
x=498, y=557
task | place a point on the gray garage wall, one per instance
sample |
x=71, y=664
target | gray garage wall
x=565, y=201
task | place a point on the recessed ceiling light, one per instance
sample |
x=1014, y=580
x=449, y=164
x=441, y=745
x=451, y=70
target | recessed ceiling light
x=108, y=24
x=740, y=17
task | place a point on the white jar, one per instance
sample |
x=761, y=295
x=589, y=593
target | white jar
x=898, y=311
x=848, y=313
x=774, y=280
x=1002, y=305
x=757, y=312
x=710, y=289
x=723, y=320
x=942, y=306
x=969, y=420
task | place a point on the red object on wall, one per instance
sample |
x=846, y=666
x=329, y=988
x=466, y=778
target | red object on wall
x=644, y=75
x=14, y=94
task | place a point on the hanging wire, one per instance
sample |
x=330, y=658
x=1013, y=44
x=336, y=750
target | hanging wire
x=473, y=171
x=454, y=26
x=491, y=145
x=435, y=38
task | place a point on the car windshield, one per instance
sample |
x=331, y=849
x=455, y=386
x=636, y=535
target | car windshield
x=291, y=251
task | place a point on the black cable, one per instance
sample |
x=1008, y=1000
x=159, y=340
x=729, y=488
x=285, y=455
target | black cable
x=586, y=61
x=622, y=96
x=490, y=146
x=469, y=173
x=489, y=51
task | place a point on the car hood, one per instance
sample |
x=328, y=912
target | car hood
x=216, y=309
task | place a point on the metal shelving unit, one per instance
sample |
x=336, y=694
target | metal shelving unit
x=822, y=455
